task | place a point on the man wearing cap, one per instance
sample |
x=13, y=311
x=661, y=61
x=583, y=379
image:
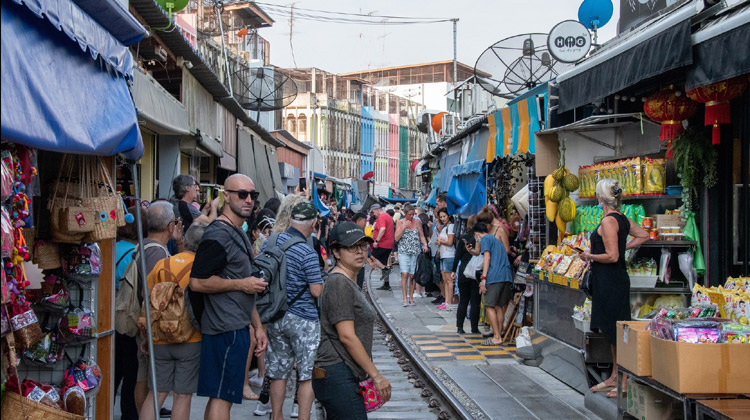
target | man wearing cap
x=384, y=240
x=295, y=337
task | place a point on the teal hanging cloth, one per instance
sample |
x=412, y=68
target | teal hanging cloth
x=693, y=234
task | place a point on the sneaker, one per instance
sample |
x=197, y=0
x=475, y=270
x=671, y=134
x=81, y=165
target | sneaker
x=295, y=411
x=255, y=380
x=415, y=295
x=424, y=295
x=263, y=409
x=386, y=287
x=438, y=300
x=165, y=412
x=443, y=306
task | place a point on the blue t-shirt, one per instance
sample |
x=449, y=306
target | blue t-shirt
x=499, y=270
x=302, y=268
x=121, y=248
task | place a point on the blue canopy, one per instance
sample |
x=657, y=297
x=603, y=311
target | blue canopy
x=445, y=166
x=115, y=18
x=324, y=211
x=57, y=97
x=393, y=200
x=467, y=193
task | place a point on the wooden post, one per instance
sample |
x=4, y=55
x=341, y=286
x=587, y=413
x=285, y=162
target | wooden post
x=105, y=346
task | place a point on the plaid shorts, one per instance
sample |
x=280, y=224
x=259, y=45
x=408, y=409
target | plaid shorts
x=292, y=339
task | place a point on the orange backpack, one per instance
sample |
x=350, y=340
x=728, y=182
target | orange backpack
x=169, y=317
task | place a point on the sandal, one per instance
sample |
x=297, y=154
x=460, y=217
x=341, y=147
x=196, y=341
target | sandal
x=248, y=394
x=489, y=342
x=602, y=387
x=613, y=393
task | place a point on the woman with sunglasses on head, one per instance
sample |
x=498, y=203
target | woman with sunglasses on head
x=344, y=356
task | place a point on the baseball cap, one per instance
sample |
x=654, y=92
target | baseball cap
x=347, y=234
x=304, y=211
x=374, y=207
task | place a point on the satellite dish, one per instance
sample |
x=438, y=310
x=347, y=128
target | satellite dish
x=594, y=14
x=264, y=89
x=172, y=6
x=516, y=64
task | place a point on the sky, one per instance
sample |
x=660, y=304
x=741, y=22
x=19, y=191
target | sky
x=342, y=48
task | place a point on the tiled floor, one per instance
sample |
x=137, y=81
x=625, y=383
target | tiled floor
x=451, y=346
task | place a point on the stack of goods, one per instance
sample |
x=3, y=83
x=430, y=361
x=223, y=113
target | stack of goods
x=560, y=208
x=642, y=267
x=588, y=217
x=732, y=300
x=565, y=259
x=582, y=316
x=700, y=331
x=637, y=176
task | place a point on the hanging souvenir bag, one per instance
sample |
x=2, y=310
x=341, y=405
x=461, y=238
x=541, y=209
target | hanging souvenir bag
x=7, y=234
x=24, y=323
x=47, y=351
x=83, y=374
x=6, y=176
x=82, y=264
x=46, y=255
x=53, y=296
x=4, y=322
x=66, y=198
x=104, y=200
x=77, y=324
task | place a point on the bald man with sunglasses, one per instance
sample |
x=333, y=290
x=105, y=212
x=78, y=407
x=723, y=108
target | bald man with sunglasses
x=222, y=271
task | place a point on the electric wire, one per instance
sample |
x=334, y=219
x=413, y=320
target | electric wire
x=357, y=19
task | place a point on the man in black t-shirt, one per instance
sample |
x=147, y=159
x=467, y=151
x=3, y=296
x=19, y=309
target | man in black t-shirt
x=222, y=270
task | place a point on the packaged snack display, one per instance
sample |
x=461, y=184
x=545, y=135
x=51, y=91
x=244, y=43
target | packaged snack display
x=735, y=334
x=697, y=331
x=654, y=176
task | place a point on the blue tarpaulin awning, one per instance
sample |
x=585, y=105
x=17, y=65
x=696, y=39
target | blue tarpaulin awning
x=65, y=94
x=445, y=167
x=467, y=193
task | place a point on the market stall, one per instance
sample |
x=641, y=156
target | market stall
x=66, y=111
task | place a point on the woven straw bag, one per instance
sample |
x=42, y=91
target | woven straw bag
x=46, y=255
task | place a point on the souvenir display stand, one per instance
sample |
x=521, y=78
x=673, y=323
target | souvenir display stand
x=59, y=274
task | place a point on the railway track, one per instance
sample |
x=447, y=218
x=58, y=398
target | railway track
x=418, y=392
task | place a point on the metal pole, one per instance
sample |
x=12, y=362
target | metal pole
x=455, y=65
x=219, y=8
x=142, y=254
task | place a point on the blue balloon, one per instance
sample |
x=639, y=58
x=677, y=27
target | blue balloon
x=595, y=13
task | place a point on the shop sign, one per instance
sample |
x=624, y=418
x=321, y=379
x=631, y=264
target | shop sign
x=569, y=41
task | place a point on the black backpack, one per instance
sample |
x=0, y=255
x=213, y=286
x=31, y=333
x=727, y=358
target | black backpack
x=423, y=273
x=272, y=305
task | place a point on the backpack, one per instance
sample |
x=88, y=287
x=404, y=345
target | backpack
x=127, y=301
x=423, y=272
x=272, y=304
x=169, y=317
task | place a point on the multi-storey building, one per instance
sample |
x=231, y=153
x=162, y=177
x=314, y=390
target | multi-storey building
x=356, y=126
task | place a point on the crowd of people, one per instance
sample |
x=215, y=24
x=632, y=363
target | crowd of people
x=323, y=333
x=323, y=336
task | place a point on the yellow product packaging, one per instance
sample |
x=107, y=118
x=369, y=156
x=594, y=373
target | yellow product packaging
x=636, y=180
x=654, y=176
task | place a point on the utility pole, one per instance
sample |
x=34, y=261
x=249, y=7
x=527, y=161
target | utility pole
x=455, y=64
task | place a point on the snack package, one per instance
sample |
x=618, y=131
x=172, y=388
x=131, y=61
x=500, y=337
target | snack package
x=662, y=328
x=700, y=296
x=735, y=334
x=664, y=268
x=697, y=331
x=654, y=176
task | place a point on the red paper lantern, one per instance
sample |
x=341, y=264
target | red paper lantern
x=669, y=109
x=716, y=96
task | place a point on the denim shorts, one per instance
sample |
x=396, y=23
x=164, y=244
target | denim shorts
x=446, y=265
x=407, y=263
x=339, y=394
x=222, y=365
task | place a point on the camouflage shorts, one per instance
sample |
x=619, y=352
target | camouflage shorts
x=292, y=339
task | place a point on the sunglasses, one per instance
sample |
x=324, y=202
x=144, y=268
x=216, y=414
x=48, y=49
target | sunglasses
x=242, y=194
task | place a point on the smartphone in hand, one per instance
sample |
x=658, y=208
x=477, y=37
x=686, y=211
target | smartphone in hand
x=302, y=183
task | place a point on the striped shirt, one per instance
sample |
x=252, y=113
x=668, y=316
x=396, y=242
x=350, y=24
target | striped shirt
x=302, y=268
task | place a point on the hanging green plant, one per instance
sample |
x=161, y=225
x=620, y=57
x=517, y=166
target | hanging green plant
x=695, y=160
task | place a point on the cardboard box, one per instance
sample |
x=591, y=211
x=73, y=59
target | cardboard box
x=669, y=220
x=547, y=153
x=646, y=403
x=634, y=347
x=701, y=368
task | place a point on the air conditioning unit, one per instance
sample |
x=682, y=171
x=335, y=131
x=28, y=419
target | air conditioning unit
x=449, y=125
x=160, y=53
x=467, y=104
x=481, y=100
